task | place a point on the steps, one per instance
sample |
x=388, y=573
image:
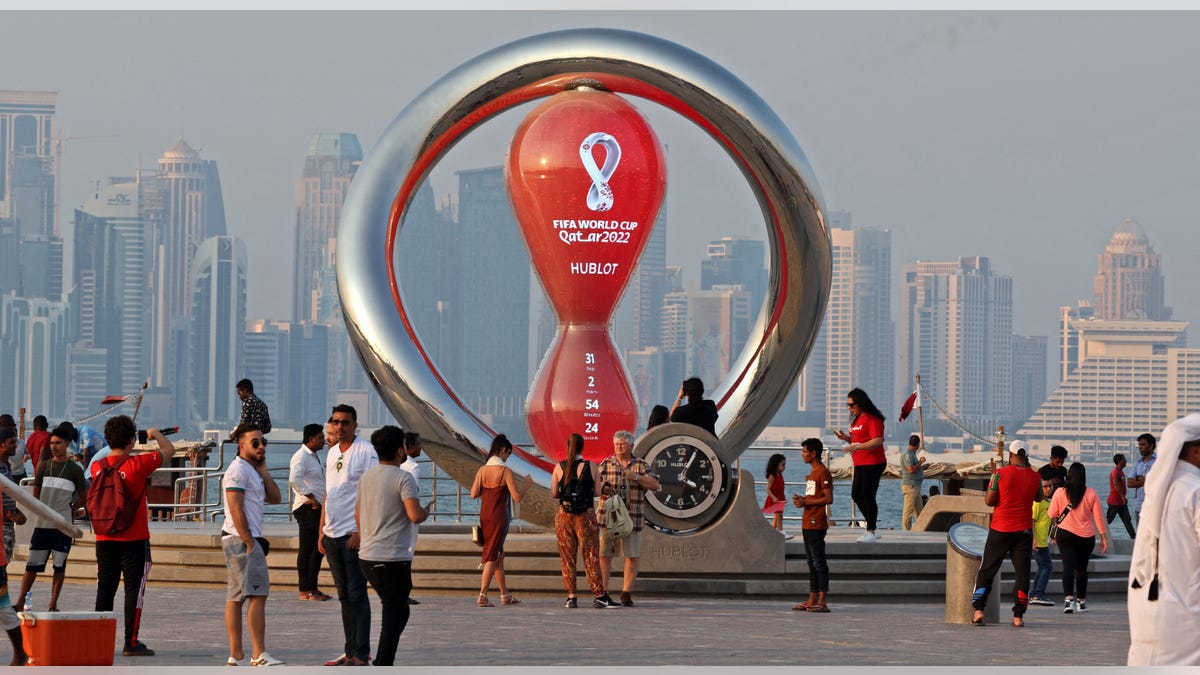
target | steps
x=903, y=565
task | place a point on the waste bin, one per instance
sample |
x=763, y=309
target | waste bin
x=964, y=552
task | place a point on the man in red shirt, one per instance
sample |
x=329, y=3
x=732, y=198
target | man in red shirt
x=36, y=442
x=1118, y=505
x=1011, y=492
x=127, y=553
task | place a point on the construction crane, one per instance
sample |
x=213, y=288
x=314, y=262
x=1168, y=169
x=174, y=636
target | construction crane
x=58, y=143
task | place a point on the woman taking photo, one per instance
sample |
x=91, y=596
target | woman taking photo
x=1077, y=535
x=574, y=486
x=495, y=482
x=865, y=445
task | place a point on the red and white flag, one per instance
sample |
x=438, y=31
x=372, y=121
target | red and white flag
x=914, y=401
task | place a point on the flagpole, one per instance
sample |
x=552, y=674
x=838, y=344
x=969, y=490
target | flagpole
x=920, y=413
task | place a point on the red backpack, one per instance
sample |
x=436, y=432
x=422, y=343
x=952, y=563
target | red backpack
x=111, y=507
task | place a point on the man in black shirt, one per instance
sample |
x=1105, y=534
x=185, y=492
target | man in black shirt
x=1055, y=471
x=698, y=410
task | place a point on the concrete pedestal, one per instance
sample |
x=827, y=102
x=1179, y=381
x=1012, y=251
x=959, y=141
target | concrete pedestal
x=964, y=551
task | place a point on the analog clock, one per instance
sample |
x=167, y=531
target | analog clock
x=693, y=476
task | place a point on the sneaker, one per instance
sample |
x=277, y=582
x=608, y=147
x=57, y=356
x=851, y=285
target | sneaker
x=787, y=537
x=572, y=603
x=1043, y=602
x=868, y=538
x=604, y=602
x=1081, y=605
x=626, y=599
x=265, y=659
x=138, y=649
x=1068, y=605
x=413, y=601
x=235, y=662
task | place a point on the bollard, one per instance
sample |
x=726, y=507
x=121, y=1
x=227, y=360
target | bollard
x=964, y=552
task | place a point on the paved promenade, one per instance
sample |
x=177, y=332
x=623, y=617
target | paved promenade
x=185, y=627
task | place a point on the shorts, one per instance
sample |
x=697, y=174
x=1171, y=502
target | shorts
x=8, y=615
x=247, y=575
x=45, y=541
x=629, y=546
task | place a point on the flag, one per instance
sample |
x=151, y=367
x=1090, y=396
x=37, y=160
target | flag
x=913, y=400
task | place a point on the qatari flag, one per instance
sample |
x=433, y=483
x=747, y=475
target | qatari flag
x=914, y=400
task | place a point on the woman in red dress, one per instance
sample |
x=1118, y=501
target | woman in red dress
x=495, y=482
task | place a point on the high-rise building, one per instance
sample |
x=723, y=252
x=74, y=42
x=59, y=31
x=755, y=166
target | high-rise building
x=266, y=361
x=737, y=261
x=719, y=320
x=1068, y=337
x=309, y=396
x=329, y=165
x=428, y=265
x=218, y=329
x=185, y=209
x=957, y=334
x=33, y=344
x=1029, y=377
x=1129, y=281
x=111, y=303
x=41, y=260
x=858, y=331
x=87, y=379
x=494, y=376
x=648, y=287
x=1130, y=377
x=27, y=173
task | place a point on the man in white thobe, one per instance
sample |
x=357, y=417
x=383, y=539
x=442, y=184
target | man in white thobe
x=1164, y=575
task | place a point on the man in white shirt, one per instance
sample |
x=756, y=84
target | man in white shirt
x=412, y=450
x=247, y=486
x=1164, y=572
x=344, y=466
x=307, y=479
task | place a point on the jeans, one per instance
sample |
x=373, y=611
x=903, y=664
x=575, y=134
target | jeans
x=308, y=559
x=1123, y=511
x=131, y=559
x=1016, y=545
x=818, y=567
x=1075, y=551
x=863, y=489
x=352, y=595
x=392, y=581
x=1044, y=571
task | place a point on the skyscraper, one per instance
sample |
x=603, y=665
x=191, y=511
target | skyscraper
x=1029, y=376
x=33, y=342
x=957, y=329
x=737, y=261
x=218, y=329
x=719, y=323
x=1068, y=337
x=1129, y=281
x=266, y=362
x=111, y=299
x=186, y=209
x=858, y=332
x=329, y=165
x=27, y=134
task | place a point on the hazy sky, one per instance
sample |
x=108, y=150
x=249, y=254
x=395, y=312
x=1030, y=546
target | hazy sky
x=1025, y=137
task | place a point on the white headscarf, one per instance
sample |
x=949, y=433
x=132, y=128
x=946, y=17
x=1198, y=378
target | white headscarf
x=1144, y=566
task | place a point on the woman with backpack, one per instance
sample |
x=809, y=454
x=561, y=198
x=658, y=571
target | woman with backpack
x=574, y=486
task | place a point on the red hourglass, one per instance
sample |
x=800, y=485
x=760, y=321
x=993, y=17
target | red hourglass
x=586, y=177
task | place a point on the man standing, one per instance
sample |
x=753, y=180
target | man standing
x=254, y=411
x=1141, y=468
x=11, y=515
x=37, y=441
x=628, y=478
x=388, y=509
x=698, y=410
x=1164, y=586
x=344, y=467
x=16, y=460
x=412, y=450
x=307, y=479
x=1011, y=492
x=59, y=484
x=818, y=493
x=1117, y=504
x=1055, y=471
x=127, y=553
x=912, y=473
x=247, y=486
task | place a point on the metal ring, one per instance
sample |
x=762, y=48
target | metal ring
x=621, y=61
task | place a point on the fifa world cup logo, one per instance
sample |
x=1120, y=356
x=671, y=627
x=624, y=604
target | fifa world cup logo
x=586, y=175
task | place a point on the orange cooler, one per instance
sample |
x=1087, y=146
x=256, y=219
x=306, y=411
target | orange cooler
x=69, y=638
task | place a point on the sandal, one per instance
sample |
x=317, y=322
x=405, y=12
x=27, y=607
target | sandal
x=800, y=607
x=1018, y=622
x=820, y=609
x=319, y=596
x=304, y=595
x=483, y=601
x=977, y=619
x=509, y=600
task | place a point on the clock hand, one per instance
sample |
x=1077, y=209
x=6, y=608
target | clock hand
x=683, y=471
x=688, y=482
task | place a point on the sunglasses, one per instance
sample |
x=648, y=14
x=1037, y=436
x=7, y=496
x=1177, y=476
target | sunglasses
x=257, y=443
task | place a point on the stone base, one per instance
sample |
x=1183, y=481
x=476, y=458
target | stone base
x=740, y=541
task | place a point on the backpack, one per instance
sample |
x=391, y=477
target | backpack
x=616, y=517
x=577, y=497
x=111, y=508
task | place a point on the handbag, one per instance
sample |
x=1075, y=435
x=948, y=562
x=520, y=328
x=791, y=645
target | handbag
x=1058, y=521
x=616, y=517
x=477, y=535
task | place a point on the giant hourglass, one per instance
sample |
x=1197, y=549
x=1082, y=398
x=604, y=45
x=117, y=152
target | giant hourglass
x=586, y=177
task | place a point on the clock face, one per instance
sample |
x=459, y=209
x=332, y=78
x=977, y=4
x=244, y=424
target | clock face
x=691, y=475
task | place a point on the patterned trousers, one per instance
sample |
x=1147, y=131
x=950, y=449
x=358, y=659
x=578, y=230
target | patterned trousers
x=579, y=534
